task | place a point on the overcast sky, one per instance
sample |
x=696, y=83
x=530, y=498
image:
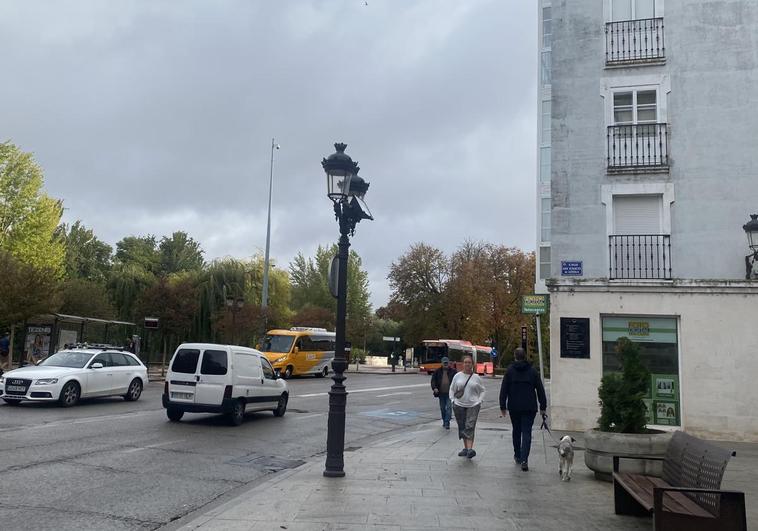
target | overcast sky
x=154, y=116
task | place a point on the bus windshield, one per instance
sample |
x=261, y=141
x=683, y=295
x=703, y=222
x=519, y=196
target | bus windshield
x=277, y=343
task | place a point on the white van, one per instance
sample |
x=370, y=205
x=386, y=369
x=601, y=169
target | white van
x=208, y=378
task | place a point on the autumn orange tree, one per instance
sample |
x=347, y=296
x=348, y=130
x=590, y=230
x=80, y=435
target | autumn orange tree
x=475, y=294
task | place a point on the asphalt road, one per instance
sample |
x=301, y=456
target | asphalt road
x=111, y=464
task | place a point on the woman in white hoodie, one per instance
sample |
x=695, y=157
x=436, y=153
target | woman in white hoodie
x=467, y=394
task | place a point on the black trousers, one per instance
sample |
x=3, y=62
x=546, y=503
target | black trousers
x=522, y=422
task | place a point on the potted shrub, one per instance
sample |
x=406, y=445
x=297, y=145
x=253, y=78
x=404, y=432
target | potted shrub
x=622, y=426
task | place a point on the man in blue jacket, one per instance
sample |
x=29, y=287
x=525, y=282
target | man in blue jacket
x=519, y=392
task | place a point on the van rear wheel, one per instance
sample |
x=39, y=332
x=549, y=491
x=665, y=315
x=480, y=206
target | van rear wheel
x=174, y=414
x=322, y=373
x=237, y=415
x=281, y=407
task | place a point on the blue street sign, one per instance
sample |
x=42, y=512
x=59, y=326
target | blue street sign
x=493, y=353
x=572, y=268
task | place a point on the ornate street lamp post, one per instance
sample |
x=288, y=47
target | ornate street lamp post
x=347, y=191
x=751, y=261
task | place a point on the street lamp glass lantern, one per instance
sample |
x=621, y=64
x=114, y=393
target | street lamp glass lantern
x=340, y=171
x=751, y=230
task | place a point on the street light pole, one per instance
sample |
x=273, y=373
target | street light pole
x=264, y=297
x=347, y=191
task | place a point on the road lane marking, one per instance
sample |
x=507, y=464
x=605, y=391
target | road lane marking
x=68, y=422
x=156, y=445
x=371, y=389
x=309, y=416
x=395, y=394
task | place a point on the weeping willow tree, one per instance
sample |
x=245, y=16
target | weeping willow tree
x=240, y=280
x=126, y=284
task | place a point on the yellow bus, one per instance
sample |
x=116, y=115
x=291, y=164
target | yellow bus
x=299, y=351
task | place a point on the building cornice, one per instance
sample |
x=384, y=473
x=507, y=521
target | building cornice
x=679, y=286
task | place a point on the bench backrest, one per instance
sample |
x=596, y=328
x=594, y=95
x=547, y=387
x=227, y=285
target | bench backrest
x=693, y=462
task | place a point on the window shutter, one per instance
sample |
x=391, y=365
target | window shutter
x=639, y=214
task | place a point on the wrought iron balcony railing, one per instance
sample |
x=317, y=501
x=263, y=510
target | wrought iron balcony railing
x=640, y=256
x=638, y=146
x=634, y=41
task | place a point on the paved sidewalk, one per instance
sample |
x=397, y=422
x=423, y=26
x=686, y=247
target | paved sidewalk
x=415, y=480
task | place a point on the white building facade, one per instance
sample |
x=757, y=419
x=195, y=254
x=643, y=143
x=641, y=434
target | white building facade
x=653, y=171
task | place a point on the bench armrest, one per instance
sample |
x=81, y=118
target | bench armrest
x=695, y=490
x=732, y=502
x=617, y=458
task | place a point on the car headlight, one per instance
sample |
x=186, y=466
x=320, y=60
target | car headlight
x=279, y=360
x=46, y=381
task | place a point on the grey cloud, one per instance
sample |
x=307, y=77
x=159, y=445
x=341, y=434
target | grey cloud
x=156, y=116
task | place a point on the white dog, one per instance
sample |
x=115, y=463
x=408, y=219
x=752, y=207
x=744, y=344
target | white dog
x=566, y=455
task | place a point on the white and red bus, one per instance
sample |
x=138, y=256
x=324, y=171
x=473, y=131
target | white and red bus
x=432, y=351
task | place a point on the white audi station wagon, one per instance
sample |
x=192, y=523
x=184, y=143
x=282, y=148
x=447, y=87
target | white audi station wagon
x=69, y=375
x=209, y=378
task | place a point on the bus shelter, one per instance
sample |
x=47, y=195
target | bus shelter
x=47, y=334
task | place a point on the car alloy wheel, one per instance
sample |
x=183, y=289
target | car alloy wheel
x=69, y=395
x=135, y=391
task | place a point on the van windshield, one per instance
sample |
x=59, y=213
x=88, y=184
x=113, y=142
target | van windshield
x=277, y=343
x=185, y=361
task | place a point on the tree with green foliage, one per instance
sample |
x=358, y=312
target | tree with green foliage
x=622, y=408
x=310, y=290
x=86, y=298
x=125, y=285
x=180, y=253
x=87, y=257
x=140, y=251
x=29, y=218
x=241, y=279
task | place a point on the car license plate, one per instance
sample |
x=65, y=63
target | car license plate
x=16, y=388
x=183, y=396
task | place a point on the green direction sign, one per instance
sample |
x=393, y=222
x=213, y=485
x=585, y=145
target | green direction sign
x=534, y=304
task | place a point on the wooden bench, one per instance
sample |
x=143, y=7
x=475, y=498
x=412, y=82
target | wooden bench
x=688, y=496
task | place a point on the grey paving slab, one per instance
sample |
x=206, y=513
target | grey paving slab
x=426, y=485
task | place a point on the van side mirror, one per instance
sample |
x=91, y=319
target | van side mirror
x=96, y=365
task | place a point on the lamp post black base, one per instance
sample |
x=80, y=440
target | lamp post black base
x=334, y=473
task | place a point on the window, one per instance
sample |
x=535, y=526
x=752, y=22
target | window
x=632, y=9
x=214, y=362
x=546, y=67
x=306, y=344
x=268, y=371
x=132, y=361
x=102, y=358
x=323, y=344
x=185, y=361
x=277, y=344
x=657, y=339
x=547, y=27
x=635, y=107
x=544, y=262
x=637, y=214
x=545, y=220
x=546, y=115
x=545, y=165
x=118, y=360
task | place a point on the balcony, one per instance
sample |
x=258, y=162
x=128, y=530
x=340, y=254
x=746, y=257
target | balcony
x=630, y=42
x=639, y=256
x=638, y=148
